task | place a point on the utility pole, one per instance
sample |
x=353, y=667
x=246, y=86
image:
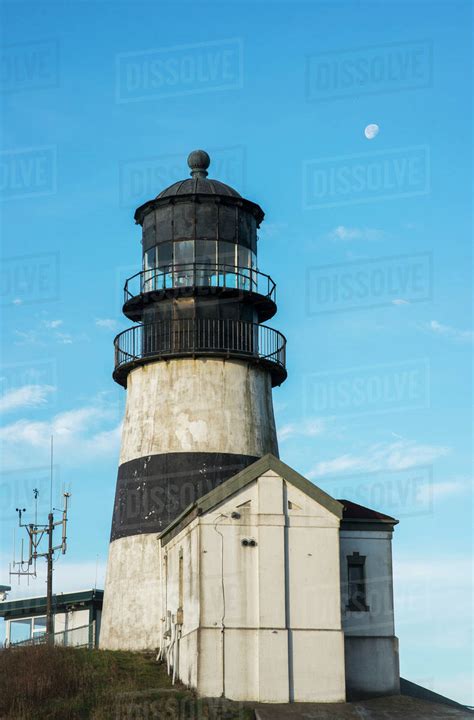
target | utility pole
x=49, y=581
x=27, y=567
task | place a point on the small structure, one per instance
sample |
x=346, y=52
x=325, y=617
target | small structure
x=76, y=617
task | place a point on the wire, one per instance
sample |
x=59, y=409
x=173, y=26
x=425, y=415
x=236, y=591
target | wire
x=222, y=516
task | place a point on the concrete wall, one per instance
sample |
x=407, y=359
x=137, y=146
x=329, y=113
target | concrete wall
x=372, y=663
x=180, y=406
x=267, y=618
x=132, y=609
x=202, y=405
x=372, y=666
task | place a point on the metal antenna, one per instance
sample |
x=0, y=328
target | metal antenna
x=36, y=532
x=36, y=493
x=51, y=479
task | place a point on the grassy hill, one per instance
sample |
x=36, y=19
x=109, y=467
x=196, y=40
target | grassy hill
x=54, y=683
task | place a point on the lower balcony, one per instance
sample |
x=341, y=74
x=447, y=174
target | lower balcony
x=196, y=337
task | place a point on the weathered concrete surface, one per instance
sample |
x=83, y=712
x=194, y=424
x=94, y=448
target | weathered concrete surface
x=203, y=405
x=371, y=648
x=131, y=616
x=389, y=708
x=268, y=615
x=372, y=666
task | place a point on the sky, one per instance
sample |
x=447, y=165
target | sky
x=368, y=240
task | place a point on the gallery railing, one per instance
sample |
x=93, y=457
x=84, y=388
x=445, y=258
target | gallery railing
x=200, y=336
x=200, y=275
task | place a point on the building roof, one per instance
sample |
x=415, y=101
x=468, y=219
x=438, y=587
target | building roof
x=198, y=186
x=355, y=515
x=198, y=162
x=242, y=479
x=24, y=607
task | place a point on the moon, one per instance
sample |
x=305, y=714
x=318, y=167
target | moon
x=371, y=131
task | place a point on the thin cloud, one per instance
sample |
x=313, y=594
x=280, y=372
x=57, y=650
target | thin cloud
x=400, y=301
x=27, y=396
x=309, y=428
x=450, y=332
x=47, y=333
x=399, y=455
x=80, y=435
x=347, y=234
x=442, y=490
x=106, y=323
x=52, y=324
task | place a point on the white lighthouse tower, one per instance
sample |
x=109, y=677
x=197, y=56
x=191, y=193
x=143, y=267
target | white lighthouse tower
x=199, y=370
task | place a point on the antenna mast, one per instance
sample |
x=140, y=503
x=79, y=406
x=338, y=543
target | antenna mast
x=36, y=532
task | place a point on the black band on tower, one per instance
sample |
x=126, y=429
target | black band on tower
x=153, y=490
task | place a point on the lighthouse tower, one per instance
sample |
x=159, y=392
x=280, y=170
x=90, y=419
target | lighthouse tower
x=198, y=366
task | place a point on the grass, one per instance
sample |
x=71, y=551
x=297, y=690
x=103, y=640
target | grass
x=54, y=683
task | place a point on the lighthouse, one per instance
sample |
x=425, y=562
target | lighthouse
x=247, y=579
x=198, y=367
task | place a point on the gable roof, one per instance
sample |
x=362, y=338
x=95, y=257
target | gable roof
x=241, y=480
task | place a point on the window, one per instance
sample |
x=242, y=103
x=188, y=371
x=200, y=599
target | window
x=149, y=262
x=165, y=262
x=20, y=630
x=183, y=261
x=243, y=261
x=356, y=588
x=226, y=253
x=39, y=625
x=206, y=259
x=227, y=264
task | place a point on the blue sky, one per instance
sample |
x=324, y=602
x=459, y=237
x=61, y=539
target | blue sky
x=369, y=242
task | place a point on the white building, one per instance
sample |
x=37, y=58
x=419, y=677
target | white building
x=247, y=579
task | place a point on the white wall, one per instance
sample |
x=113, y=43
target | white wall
x=371, y=648
x=132, y=609
x=202, y=405
x=256, y=605
x=377, y=548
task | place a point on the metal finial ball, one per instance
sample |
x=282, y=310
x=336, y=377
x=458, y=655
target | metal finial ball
x=199, y=161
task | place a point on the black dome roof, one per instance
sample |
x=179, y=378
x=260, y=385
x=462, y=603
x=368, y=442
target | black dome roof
x=198, y=161
x=196, y=185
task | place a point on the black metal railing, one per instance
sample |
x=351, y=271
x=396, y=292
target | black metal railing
x=200, y=336
x=199, y=275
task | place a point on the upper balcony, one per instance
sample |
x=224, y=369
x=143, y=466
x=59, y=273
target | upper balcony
x=243, y=284
x=198, y=337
